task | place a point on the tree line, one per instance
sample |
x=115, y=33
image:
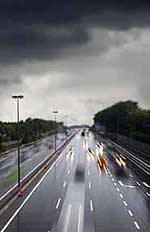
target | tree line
x=126, y=118
x=29, y=131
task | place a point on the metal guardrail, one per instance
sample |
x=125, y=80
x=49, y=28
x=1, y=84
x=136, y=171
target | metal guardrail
x=14, y=190
x=144, y=166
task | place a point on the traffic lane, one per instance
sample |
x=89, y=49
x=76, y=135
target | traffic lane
x=71, y=217
x=25, y=154
x=72, y=213
x=8, y=175
x=46, y=194
x=106, y=204
x=140, y=174
x=140, y=167
x=88, y=209
x=126, y=182
x=42, y=204
x=134, y=196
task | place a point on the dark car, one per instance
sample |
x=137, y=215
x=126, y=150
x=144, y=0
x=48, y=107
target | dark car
x=79, y=173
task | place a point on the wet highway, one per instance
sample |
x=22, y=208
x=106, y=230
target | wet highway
x=75, y=194
x=30, y=157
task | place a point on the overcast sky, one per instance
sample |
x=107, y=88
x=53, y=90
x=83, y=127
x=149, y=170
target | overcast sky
x=75, y=56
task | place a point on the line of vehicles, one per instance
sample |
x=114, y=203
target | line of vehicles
x=118, y=160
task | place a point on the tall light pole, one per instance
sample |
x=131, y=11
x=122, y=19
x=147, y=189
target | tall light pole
x=66, y=129
x=55, y=112
x=18, y=97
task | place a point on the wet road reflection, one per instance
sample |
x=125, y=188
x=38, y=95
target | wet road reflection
x=90, y=189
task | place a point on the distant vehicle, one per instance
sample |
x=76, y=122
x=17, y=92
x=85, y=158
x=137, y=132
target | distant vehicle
x=120, y=164
x=102, y=162
x=83, y=133
x=50, y=146
x=91, y=151
x=79, y=173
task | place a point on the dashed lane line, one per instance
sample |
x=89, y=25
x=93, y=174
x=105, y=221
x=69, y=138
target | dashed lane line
x=64, y=184
x=125, y=203
x=89, y=185
x=91, y=205
x=130, y=213
x=58, y=203
x=136, y=225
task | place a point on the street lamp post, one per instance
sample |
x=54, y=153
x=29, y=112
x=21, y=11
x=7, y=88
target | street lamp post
x=18, y=97
x=66, y=131
x=55, y=112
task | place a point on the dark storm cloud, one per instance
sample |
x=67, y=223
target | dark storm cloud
x=32, y=29
x=38, y=42
x=64, y=11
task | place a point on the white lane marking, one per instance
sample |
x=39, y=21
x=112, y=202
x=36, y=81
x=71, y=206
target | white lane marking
x=141, y=161
x=2, y=197
x=30, y=194
x=58, y=203
x=64, y=184
x=125, y=203
x=118, y=190
x=67, y=218
x=91, y=205
x=146, y=185
x=130, y=213
x=115, y=184
x=120, y=182
x=121, y=195
x=138, y=183
x=88, y=172
x=131, y=175
x=127, y=186
x=68, y=172
x=79, y=217
x=89, y=185
x=113, y=179
x=148, y=194
x=136, y=225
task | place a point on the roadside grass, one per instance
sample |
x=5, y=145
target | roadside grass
x=12, y=177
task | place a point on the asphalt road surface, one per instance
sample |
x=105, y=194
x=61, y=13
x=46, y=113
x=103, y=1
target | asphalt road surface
x=30, y=157
x=76, y=195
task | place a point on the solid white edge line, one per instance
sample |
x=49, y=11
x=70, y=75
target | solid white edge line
x=67, y=218
x=79, y=218
x=146, y=185
x=30, y=194
x=148, y=194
